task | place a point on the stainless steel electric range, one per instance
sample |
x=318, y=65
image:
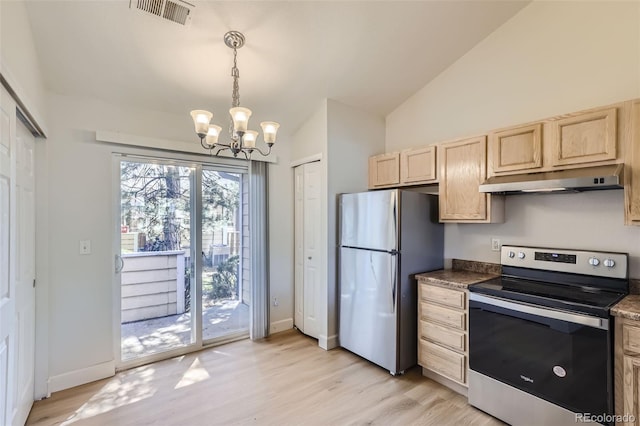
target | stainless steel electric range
x=541, y=336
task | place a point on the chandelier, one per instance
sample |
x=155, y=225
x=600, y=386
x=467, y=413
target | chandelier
x=242, y=140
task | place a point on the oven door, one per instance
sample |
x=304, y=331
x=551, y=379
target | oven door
x=558, y=356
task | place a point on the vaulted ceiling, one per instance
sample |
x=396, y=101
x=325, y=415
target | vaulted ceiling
x=368, y=54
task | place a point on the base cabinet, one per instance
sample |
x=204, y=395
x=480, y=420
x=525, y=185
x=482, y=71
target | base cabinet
x=627, y=371
x=442, y=331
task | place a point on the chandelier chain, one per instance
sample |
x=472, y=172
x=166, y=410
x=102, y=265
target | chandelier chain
x=235, y=94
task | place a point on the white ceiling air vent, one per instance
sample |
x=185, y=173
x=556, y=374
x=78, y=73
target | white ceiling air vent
x=172, y=10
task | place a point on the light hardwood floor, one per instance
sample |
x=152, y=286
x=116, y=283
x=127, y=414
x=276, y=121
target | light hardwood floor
x=285, y=379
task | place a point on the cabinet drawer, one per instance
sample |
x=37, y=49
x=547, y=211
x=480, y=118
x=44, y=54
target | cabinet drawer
x=448, y=337
x=444, y=316
x=631, y=339
x=443, y=361
x=444, y=296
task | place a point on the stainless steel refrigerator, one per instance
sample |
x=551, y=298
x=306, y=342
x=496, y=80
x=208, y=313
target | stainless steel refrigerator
x=385, y=237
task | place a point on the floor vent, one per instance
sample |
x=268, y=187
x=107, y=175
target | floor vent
x=175, y=11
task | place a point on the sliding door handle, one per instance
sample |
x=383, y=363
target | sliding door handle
x=119, y=263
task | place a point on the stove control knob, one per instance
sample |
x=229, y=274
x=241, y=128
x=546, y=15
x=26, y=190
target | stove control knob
x=594, y=261
x=511, y=255
x=609, y=263
x=521, y=255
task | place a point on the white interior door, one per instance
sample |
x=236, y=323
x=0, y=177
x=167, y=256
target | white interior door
x=25, y=274
x=312, y=253
x=7, y=247
x=308, y=256
x=17, y=265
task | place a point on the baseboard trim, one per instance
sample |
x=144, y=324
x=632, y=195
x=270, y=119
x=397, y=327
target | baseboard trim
x=82, y=376
x=328, y=343
x=282, y=325
x=454, y=386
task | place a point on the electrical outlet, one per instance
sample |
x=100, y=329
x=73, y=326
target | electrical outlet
x=495, y=244
x=275, y=301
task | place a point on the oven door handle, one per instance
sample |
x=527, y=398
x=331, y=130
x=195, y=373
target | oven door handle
x=527, y=308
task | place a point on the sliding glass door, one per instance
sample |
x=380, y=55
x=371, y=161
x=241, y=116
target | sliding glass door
x=180, y=257
x=225, y=297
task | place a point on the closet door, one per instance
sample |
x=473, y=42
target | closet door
x=17, y=265
x=308, y=255
x=8, y=347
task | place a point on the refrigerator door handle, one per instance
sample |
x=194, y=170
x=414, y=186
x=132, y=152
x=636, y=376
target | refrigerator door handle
x=394, y=281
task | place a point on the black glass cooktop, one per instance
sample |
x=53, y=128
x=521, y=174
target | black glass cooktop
x=584, y=299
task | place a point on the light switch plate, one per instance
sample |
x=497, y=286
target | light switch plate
x=495, y=244
x=85, y=246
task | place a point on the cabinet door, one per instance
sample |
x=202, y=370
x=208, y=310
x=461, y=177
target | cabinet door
x=418, y=165
x=631, y=377
x=585, y=137
x=516, y=148
x=463, y=167
x=384, y=170
x=632, y=169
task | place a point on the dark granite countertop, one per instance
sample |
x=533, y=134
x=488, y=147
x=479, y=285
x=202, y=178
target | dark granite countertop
x=474, y=272
x=629, y=308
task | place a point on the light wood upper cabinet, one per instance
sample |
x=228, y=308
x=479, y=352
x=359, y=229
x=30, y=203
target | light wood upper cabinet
x=516, y=148
x=584, y=137
x=593, y=137
x=463, y=166
x=418, y=165
x=384, y=170
x=413, y=166
x=632, y=169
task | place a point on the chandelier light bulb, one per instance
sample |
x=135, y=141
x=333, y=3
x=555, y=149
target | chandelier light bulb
x=249, y=139
x=269, y=130
x=212, y=134
x=240, y=118
x=201, y=119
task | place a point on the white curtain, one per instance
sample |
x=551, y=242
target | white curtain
x=258, y=207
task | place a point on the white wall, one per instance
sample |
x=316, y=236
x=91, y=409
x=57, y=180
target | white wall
x=311, y=140
x=353, y=136
x=19, y=60
x=20, y=68
x=551, y=58
x=80, y=208
x=345, y=137
x=281, y=235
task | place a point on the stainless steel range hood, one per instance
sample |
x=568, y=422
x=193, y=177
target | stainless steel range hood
x=572, y=180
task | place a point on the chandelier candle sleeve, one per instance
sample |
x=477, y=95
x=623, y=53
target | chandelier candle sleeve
x=213, y=134
x=249, y=139
x=201, y=119
x=240, y=118
x=269, y=130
